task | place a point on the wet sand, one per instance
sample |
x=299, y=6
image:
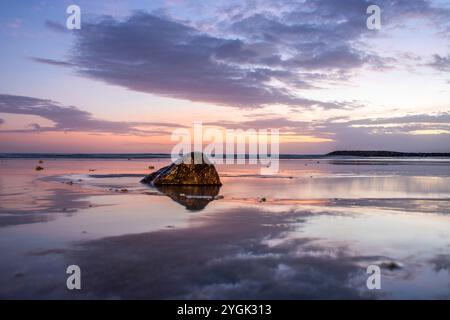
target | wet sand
x=308, y=233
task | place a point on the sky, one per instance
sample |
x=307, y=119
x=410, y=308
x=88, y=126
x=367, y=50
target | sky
x=138, y=70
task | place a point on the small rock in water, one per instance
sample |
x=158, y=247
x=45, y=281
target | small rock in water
x=151, y=167
x=39, y=168
x=192, y=169
x=263, y=200
x=124, y=190
x=40, y=161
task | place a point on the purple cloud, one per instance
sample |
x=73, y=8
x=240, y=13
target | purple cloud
x=168, y=58
x=440, y=63
x=237, y=62
x=52, y=62
x=383, y=133
x=55, y=26
x=69, y=118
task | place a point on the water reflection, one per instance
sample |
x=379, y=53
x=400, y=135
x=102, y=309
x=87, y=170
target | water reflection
x=320, y=227
x=193, y=198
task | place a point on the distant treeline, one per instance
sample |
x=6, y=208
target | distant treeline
x=385, y=154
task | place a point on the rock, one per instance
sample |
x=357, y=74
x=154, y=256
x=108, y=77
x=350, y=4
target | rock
x=38, y=168
x=185, y=172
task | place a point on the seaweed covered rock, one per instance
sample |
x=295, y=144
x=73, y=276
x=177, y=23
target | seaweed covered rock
x=191, y=169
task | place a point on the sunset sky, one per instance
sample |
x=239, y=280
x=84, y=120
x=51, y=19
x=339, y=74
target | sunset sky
x=137, y=70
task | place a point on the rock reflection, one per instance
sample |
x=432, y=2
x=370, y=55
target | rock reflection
x=194, y=198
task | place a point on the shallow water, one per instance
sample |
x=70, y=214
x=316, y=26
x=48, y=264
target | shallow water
x=307, y=233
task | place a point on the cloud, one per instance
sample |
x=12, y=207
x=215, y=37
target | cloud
x=401, y=124
x=171, y=59
x=52, y=62
x=417, y=132
x=168, y=58
x=2, y=121
x=15, y=24
x=440, y=63
x=318, y=28
x=70, y=118
x=249, y=48
x=415, y=118
x=55, y=26
x=286, y=125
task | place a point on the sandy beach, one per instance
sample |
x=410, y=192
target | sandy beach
x=307, y=233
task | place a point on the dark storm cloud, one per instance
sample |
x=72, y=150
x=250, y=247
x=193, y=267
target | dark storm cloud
x=69, y=118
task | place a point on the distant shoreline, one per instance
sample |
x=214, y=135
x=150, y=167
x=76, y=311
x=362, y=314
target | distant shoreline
x=389, y=154
x=123, y=156
x=130, y=156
